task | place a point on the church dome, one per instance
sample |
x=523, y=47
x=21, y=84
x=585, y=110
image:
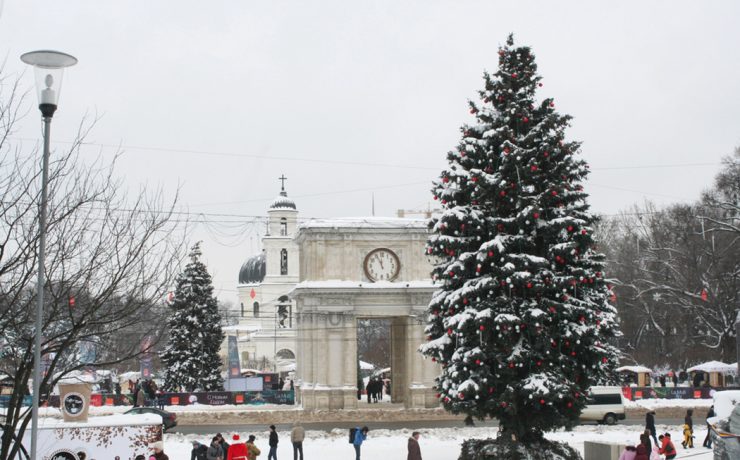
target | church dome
x=253, y=270
x=283, y=202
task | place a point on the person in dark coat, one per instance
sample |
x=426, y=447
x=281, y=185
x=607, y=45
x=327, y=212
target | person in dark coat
x=675, y=379
x=708, y=440
x=661, y=379
x=650, y=424
x=224, y=445
x=272, y=455
x=414, y=449
x=199, y=452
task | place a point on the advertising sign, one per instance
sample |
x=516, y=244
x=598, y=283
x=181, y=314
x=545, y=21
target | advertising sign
x=234, y=367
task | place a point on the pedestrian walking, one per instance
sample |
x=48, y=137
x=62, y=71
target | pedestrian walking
x=688, y=430
x=237, y=450
x=252, y=450
x=224, y=445
x=272, y=455
x=708, y=439
x=214, y=450
x=360, y=437
x=415, y=450
x=650, y=424
x=297, y=434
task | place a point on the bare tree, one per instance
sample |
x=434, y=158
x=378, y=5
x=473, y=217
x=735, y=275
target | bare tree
x=110, y=258
x=678, y=275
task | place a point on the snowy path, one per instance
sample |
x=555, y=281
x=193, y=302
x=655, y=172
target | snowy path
x=436, y=443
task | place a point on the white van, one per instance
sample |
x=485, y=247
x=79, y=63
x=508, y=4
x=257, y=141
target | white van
x=605, y=405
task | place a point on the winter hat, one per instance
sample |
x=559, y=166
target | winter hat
x=251, y=438
x=235, y=437
x=158, y=445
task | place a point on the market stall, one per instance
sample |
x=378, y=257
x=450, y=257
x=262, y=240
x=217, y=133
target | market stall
x=639, y=375
x=712, y=373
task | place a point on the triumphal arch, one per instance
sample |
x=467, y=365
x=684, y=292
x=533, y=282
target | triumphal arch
x=352, y=269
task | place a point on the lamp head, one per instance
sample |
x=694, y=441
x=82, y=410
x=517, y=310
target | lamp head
x=48, y=67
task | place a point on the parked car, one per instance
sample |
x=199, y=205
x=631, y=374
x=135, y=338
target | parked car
x=168, y=418
x=605, y=405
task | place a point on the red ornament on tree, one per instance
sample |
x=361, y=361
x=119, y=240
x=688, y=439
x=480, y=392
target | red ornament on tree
x=513, y=75
x=533, y=168
x=536, y=215
x=525, y=120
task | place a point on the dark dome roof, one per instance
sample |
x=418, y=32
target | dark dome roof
x=253, y=270
x=283, y=202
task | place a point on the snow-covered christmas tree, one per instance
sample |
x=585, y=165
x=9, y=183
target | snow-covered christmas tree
x=192, y=354
x=521, y=324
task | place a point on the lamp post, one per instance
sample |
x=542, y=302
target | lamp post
x=49, y=68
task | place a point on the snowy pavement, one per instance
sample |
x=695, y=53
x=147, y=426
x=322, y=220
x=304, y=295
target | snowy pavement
x=436, y=443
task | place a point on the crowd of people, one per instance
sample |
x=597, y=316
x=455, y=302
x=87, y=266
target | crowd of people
x=375, y=389
x=663, y=444
x=219, y=449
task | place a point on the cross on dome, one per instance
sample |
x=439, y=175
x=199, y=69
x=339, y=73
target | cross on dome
x=282, y=180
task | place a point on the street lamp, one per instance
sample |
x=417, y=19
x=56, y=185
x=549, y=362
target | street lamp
x=49, y=68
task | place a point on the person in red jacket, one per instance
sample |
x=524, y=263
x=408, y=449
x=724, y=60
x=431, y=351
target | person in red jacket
x=666, y=447
x=237, y=450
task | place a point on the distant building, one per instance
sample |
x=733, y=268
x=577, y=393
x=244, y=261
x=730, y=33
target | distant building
x=267, y=321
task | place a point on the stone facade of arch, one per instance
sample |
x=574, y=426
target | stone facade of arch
x=335, y=292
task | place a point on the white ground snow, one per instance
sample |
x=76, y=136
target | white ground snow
x=436, y=444
x=110, y=410
x=663, y=403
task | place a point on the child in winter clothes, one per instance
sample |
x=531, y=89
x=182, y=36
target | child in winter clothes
x=629, y=453
x=667, y=448
x=688, y=437
x=688, y=430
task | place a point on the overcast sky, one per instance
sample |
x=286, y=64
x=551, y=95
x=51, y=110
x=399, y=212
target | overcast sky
x=350, y=98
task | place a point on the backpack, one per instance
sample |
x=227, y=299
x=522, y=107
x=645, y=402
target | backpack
x=352, y=432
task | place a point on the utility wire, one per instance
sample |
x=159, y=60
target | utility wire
x=123, y=147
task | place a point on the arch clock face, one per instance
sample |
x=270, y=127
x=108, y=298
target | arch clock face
x=382, y=265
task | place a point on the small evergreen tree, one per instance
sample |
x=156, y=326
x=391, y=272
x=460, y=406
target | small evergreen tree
x=192, y=357
x=521, y=324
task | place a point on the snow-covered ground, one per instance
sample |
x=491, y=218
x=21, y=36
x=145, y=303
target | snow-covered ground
x=436, y=444
x=111, y=410
x=663, y=403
